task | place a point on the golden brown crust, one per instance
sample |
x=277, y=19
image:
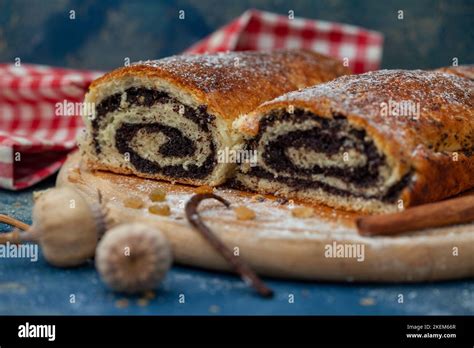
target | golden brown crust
x=437, y=145
x=466, y=71
x=234, y=83
x=439, y=176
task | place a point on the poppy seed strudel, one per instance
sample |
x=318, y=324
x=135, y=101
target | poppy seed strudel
x=169, y=118
x=379, y=141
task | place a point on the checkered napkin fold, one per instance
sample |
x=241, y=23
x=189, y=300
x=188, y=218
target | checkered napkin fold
x=39, y=117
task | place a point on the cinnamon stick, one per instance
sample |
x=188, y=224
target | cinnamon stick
x=449, y=212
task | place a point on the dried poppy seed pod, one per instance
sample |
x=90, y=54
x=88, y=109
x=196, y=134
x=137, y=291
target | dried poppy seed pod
x=133, y=258
x=65, y=225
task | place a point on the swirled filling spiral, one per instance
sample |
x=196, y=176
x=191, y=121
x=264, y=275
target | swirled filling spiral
x=304, y=151
x=156, y=133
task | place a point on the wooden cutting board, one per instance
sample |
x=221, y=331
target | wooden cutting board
x=324, y=247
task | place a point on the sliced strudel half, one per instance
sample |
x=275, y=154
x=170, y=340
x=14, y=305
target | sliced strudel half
x=169, y=118
x=380, y=141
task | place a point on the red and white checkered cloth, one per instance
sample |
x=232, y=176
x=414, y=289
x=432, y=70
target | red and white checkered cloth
x=258, y=30
x=35, y=138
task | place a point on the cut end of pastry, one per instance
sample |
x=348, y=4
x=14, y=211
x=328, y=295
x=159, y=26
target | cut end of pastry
x=322, y=159
x=154, y=131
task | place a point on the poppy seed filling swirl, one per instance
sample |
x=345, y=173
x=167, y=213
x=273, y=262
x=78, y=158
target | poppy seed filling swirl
x=172, y=152
x=304, y=151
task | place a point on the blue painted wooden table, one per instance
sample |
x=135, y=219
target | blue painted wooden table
x=36, y=288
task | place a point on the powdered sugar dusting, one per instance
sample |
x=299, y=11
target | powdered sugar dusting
x=445, y=100
x=226, y=71
x=274, y=219
x=360, y=91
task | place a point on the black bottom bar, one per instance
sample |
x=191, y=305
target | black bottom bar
x=417, y=331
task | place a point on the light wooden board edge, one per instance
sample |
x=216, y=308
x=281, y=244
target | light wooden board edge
x=421, y=256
